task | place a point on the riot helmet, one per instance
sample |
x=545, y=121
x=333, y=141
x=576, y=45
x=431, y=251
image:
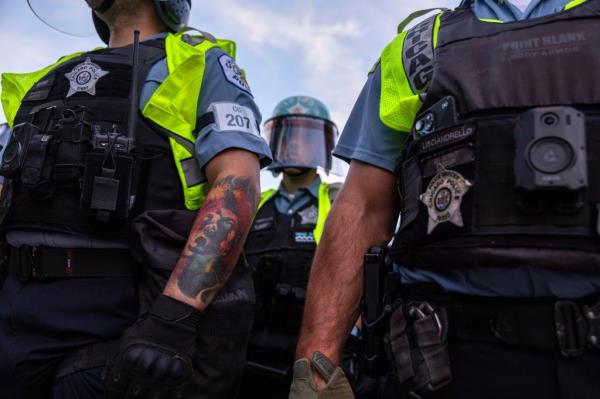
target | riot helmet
x=301, y=134
x=175, y=14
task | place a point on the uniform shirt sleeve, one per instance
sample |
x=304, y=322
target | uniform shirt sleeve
x=218, y=88
x=365, y=138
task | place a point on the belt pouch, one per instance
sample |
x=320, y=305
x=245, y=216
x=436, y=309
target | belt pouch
x=418, y=350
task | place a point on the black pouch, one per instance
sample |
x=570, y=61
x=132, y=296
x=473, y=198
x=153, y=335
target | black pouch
x=73, y=135
x=36, y=175
x=417, y=347
x=107, y=189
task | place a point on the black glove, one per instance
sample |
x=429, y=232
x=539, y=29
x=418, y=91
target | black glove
x=155, y=355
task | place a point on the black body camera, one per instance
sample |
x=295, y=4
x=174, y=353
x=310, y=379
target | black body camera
x=441, y=115
x=16, y=149
x=551, y=150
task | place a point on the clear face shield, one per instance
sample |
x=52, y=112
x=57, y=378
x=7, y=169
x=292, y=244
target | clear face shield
x=71, y=17
x=300, y=142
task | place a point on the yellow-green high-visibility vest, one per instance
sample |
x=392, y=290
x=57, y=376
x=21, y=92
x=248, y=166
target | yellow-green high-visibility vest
x=405, y=65
x=173, y=106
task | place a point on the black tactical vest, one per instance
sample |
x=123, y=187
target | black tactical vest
x=65, y=147
x=502, y=167
x=280, y=249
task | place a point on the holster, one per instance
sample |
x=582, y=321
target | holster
x=417, y=348
x=408, y=337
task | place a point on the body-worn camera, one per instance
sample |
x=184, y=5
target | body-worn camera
x=441, y=115
x=16, y=150
x=551, y=150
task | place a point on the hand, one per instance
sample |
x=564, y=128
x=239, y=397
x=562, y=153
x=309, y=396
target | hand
x=303, y=386
x=155, y=355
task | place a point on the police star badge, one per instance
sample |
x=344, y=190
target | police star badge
x=444, y=196
x=309, y=215
x=83, y=77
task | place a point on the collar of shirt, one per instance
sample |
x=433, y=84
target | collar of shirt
x=291, y=203
x=505, y=11
x=160, y=35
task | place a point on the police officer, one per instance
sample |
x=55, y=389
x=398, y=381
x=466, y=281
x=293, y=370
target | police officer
x=283, y=238
x=488, y=130
x=134, y=170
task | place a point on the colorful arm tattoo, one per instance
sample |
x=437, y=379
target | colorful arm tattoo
x=215, y=241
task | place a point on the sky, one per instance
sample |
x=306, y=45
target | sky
x=320, y=48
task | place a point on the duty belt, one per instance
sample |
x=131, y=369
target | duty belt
x=569, y=327
x=41, y=263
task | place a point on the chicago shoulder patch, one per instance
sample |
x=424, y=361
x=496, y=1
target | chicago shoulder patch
x=233, y=73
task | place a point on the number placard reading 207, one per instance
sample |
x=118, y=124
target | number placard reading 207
x=234, y=117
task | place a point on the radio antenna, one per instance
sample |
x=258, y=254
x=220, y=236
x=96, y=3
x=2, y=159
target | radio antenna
x=134, y=94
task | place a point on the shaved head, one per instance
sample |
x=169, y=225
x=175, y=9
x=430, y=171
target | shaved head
x=123, y=12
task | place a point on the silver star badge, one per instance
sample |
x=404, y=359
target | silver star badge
x=84, y=76
x=309, y=215
x=444, y=196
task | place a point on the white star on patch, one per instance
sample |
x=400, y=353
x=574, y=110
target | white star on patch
x=233, y=73
x=83, y=77
x=309, y=215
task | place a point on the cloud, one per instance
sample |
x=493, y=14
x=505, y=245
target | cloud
x=320, y=51
x=324, y=50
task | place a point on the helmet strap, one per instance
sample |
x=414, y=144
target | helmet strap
x=301, y=171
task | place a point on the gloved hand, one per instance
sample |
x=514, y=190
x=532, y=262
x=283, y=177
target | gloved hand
x=303, y=386
x=155, y=354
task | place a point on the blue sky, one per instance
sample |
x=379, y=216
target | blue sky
x=321, y=48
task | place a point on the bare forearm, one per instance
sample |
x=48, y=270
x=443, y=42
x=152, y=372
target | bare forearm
x=335, y=285
x=215, y=241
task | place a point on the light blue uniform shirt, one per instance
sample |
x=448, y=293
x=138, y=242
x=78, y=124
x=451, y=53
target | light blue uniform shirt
x=210, y=141
x=507, y=12
x=291, y=203
x=367, y=139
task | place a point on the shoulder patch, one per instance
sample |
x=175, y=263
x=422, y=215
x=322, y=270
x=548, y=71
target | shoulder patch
x=233, y=73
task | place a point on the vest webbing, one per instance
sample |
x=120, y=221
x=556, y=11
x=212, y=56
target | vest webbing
x=399, y=100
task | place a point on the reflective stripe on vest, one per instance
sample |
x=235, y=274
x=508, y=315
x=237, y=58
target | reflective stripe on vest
x=406, y=68
x=173, y=106
x=323, y=211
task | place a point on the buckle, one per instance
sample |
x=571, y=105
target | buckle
x=423, y=310
x=571, y=328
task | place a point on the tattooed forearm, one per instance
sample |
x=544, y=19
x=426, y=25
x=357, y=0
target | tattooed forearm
x=215, y=241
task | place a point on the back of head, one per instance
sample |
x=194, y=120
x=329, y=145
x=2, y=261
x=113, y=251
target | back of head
x=110, y=14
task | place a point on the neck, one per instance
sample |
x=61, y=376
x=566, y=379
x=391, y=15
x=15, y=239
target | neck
x=121, y=33
x=291, y=184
